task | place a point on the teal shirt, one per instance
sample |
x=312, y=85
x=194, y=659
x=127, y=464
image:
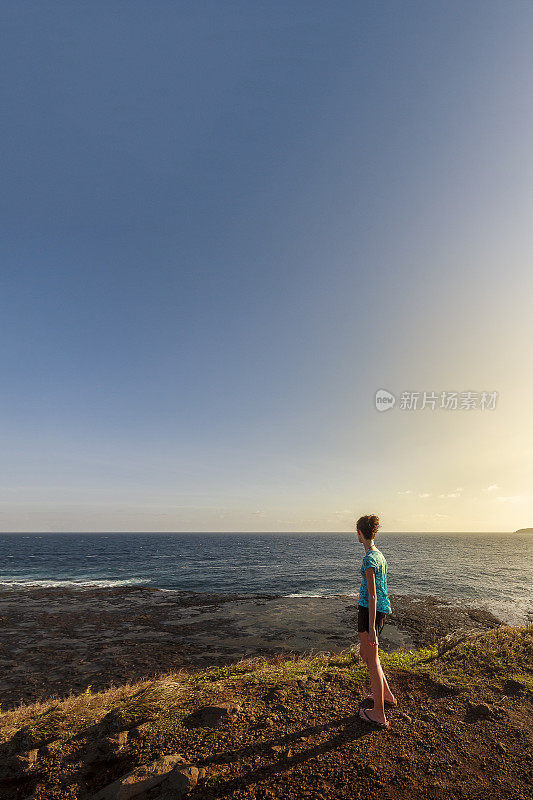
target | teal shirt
x=375, y=559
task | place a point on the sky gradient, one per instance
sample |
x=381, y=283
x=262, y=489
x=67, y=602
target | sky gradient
x=226, y=225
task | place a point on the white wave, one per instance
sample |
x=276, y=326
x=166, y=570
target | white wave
x=314, y=594
x=71, y=584
x=511, y=612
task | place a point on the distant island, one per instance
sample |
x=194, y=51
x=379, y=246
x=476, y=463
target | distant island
x=524, y=530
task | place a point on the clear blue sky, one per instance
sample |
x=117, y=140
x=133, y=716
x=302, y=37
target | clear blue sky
x=225, y=225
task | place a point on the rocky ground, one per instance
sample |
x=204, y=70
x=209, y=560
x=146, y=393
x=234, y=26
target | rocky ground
x=288, y=728
x=57, y=641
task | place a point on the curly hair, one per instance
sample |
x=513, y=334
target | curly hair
x=368, y=526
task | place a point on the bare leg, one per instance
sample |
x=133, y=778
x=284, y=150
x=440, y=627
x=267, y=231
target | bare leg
x=387, y=694
x=376, y=680
x=364, y=649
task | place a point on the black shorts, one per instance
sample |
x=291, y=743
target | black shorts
x=362, y=620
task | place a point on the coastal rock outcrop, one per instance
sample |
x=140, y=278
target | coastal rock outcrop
x=14, y=767
x=211, y=716
x=177, y=776
x=118, y=720
x=478, y=711
x=106, y=748
x=275, y=695
x=514, y=688
x=179, y=783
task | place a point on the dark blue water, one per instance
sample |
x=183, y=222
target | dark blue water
x=494, y=569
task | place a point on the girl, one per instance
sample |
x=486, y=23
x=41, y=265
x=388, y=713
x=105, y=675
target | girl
x=373, y=606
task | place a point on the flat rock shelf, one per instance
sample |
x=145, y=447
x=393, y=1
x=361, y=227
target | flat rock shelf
x=57, y=641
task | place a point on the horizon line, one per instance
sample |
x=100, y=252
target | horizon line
x=235, y=533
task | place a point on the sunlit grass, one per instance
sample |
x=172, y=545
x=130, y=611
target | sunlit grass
x=491, y=657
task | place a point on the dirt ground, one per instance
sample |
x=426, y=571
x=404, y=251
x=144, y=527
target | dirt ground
x=300, y=736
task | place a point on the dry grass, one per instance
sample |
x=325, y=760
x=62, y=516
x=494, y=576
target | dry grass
x=65, y=717
x=501, y=653
x=77, y=711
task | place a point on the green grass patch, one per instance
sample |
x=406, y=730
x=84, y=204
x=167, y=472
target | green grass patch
x=493, y=657
x=498, y=654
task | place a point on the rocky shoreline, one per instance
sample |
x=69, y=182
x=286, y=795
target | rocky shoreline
x=57, y=641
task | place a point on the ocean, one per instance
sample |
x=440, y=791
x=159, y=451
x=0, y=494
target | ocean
x=493, y=570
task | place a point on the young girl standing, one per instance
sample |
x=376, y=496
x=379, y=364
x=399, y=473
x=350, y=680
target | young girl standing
x=374, y=605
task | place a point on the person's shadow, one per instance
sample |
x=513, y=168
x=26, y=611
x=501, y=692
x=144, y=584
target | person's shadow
x=349, y=728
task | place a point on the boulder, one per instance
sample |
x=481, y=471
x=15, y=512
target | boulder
x=211, y=716
x=274, y=695
x=445, y=688
x=139, y=731
x=142, y=778
x=179, y=783
x=15, y=767
x=106, y=748
x=114, y=721
x=26, y=739
x=10, y=769
x=513, y=687
x=478, y=711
